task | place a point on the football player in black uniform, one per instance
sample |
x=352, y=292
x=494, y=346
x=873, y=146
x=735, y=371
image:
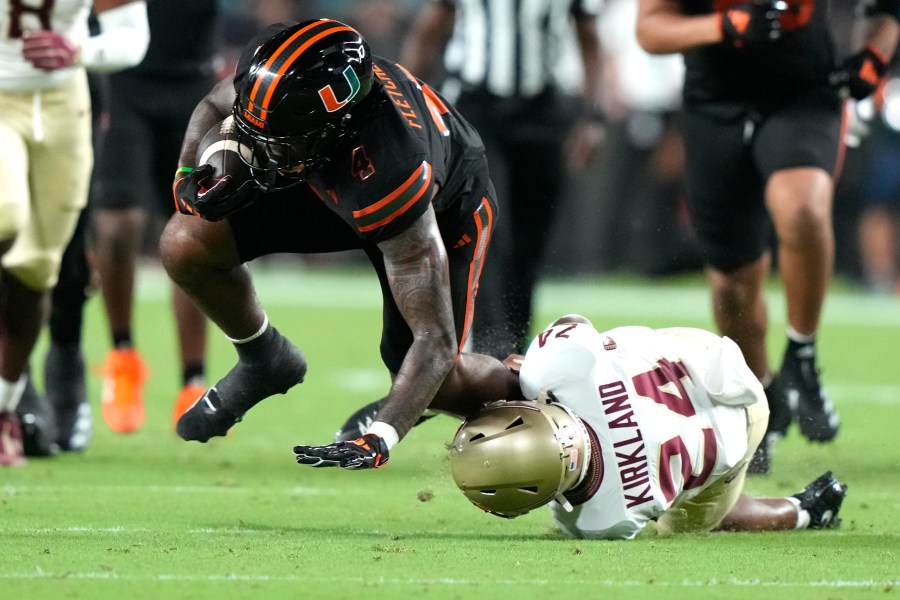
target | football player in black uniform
x=762, y=131
x=348, y=151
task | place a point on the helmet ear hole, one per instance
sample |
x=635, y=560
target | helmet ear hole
x=513, y=457
x=517, y=423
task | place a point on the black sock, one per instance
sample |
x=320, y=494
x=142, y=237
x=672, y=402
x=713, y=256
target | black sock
x=191, y=372
x=800, y=350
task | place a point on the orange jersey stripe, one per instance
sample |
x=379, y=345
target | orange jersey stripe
x=397, y=202
x=284, y=46
x=484, y=224
x=272, y=84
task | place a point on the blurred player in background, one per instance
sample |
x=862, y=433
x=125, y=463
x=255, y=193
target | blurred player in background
x=343, y=151
x=762, y=121
x=630, y=426
x=45, y=128
x=149, y=108
x=880, y=194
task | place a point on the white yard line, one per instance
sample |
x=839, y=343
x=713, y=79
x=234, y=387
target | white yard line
x=567, y=581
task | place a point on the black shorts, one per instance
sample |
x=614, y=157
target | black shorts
x=297, y=221
x=141, y=142
x=731, y=150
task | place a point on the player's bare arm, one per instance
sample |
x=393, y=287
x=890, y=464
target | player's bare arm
x=416, y=265
x=663, y=28
x=885, y=33
x=214, y=107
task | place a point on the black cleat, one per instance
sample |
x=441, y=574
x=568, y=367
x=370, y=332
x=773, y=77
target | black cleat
x=66, y=390
x=818, y=420
x=780, y=416
x=247, y=384
x=206, y=419
x=822, y=499
x=37, y=423
x=358, y=423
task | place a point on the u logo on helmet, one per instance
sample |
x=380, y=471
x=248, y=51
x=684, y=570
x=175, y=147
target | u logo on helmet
x=329, y=98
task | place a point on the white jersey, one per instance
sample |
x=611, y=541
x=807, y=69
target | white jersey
x=68, y=17
x=668, y=409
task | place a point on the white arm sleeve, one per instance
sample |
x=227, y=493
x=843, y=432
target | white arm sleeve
x=122, y=41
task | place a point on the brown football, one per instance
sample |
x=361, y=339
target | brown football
x=220, y=149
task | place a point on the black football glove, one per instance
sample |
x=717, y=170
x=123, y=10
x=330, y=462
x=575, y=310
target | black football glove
x=368, y=452
x=192, y=197
x=860, y=74
x=755, y=21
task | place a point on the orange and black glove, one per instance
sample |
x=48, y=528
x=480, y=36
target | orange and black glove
x=221, y=198
x=860, y=74
x=754, y=21
x=368, y=452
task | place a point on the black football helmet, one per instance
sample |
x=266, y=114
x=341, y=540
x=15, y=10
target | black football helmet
x=295, y=102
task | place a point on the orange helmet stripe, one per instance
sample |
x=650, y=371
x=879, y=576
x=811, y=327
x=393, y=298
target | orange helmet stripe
x=296, y=44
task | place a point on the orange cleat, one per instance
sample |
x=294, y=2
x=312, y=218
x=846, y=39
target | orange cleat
x=124, y=374
x=186, y=398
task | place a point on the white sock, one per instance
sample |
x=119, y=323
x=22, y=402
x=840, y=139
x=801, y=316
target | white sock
x=11, y=393
x=800, y=338
x=803, y=517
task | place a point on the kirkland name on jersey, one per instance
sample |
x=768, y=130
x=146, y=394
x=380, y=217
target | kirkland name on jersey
x=668, y=408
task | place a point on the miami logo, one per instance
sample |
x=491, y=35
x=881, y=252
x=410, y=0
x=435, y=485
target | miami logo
x=329, y=98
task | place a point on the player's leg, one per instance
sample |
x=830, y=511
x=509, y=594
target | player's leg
x=814, y=507
x=171, y=117
x=206, y=260
x=202, y=258
x=14, y=214
x=123, y=180
x=798, y=149
x=729, y=216
x=59, y=163
x=65, y=383
x=191, y=324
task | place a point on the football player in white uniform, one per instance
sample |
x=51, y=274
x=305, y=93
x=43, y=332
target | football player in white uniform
x=45, y=134
x=626, y=427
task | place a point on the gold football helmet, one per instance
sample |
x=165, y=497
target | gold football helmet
x=513, y=457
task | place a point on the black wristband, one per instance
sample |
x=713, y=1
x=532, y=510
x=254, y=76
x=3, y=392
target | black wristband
x=888, y=7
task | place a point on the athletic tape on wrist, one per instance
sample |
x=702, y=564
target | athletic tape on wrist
x=385, y=432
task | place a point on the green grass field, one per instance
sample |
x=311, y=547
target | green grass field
x=151, y=516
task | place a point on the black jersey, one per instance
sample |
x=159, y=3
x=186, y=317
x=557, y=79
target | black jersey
x=382, y=181
x=764, y=72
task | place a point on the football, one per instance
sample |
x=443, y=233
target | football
x=220, y=149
